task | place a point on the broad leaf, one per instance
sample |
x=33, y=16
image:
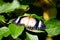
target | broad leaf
x=4, y=31
x=31, y=37
x=6, y=34
x=27, y=37
x=53, y=31
x=8, y=7
x=15, y=30
x=53, y=27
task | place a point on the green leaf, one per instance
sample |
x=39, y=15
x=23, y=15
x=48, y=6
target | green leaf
x=26, y=14
x=1, y=2
x=2, y=18
x=15, y=30
x=34, y=15
x=24, y=6
x=27, y=37
x=4, y=31
x=18, y=39
x=53, y=27
x=38, y=17
x=0, y=37
x=8, y=7
x=31, y=37
x=6, y=34
x=53, y=31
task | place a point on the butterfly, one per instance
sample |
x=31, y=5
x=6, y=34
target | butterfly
x=30, y=23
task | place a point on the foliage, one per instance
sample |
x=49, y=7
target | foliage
x=52, y=26
x=15, y=30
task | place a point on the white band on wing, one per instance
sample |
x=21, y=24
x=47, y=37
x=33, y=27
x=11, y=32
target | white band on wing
x=39, y=25
x=17, y=20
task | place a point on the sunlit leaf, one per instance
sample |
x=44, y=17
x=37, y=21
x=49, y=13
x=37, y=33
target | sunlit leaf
x=26, y=14
x=7, y=33
x=32, y=37
x=4, y=31
x=15, y=30
x=8, y=7
x=24, y=6
x=53, y=27
x=53, y=31
x=27, y=37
